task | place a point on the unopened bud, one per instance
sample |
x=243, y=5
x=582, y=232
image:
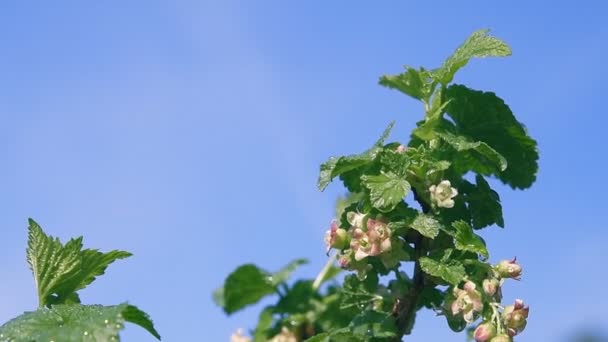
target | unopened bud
x=509, y=269
x=484, y=332
x=490, y=286
x=515, y=317
x=401, y=149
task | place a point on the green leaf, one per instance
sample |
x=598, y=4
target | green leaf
x=386, y=190
x=373, y=324
x=452, y=271
x=93, y=264
x=479, y=155
x=466, y=240
x=134, y=315
x=359, y=293
x=485, y=117
x=248, y=284
x=61, y=270
x=412, y=82
x=479, y=44
x=337, y=166
x=297, y=299
x=51, y=262
x=75, y=323
x=395, y=162
x=484, y=203
x=426, y=225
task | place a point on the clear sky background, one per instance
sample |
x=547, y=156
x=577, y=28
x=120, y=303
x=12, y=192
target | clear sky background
x=190, y=133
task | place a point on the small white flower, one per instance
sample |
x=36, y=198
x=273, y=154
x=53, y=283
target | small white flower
x=443, y=194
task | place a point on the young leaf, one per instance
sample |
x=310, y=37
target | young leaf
x=386, y=190
x=61, y=270
x=451, y=271
x=426, y=225
x=75, y=323
x=93, y=264
x=51, y=262
x=412, y=82
x=479, y=44
x=485, y=117
x=466, y=240
x=337, y=166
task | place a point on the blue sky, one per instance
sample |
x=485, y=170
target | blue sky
x=190, y=133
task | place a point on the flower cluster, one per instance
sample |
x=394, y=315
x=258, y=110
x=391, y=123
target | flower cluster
x=365, y=237
x=513, y=319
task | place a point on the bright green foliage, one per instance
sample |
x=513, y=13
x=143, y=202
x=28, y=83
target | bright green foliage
x=51, y=262
x=386, y=190
x=248, y=284
x=412, y=82
x=426, y=225
x=337, y=166
x=75, y=323
x=466, y=240
x=61, y=270
x=451, y=271
x=377, y=231
x=479, y=44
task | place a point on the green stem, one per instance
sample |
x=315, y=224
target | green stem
x=321, y=276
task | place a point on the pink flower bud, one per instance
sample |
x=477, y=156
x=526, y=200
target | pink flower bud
x=336, y=237
x=509, y=269
x=484, y=332
x=490, y=286
x=401, y=149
